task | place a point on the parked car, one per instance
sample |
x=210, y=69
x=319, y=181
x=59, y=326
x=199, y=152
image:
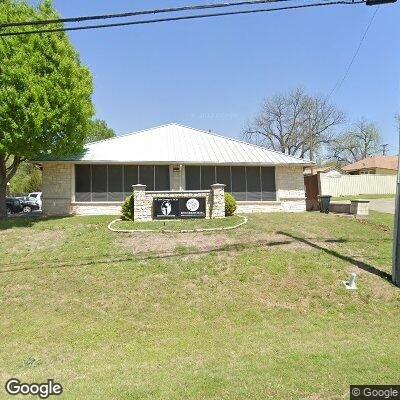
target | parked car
x=29, y=204
x=37, y=196
x=13, y=205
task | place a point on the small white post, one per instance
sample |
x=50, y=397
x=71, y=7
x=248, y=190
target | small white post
x=351, y=283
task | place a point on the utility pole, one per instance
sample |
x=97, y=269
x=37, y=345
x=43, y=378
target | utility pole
x=384, y=147
x=396, y=233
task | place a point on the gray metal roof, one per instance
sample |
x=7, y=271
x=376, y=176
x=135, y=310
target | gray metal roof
x=174, y=143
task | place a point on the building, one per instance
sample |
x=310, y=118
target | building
x=378, y=165
x=172, y=158
x=329, y=171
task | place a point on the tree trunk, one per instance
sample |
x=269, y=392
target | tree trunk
x=3, y=188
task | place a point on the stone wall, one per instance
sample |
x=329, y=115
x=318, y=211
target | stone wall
x=96, y=208
x=57, y=188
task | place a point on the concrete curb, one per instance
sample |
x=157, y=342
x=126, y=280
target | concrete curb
x=175, y=231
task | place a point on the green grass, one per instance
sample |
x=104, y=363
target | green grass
x=179, y=224
x=364, y=196
x=254, y=313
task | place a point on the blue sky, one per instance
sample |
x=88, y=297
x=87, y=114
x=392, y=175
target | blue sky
x=214, y=73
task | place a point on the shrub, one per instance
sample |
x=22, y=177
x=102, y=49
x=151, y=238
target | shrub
x=230, y=204
x=127, y=209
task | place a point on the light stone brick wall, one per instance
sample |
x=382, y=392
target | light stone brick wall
x=360, y=208
x=218, y=200
x=57, y=188
x=96, y=209
x=290, y=190
x=257, y=206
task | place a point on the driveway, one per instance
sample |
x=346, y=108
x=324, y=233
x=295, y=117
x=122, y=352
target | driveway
x=382, y=205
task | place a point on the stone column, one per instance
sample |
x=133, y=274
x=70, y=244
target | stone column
x=360, y=208
x=139, y=203
x=217, y=200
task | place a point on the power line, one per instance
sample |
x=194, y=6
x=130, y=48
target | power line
x=136, y=13
x=340, y=82
x=186, y=17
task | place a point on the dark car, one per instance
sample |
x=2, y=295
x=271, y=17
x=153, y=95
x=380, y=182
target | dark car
x=13, y=205
x=28, y=204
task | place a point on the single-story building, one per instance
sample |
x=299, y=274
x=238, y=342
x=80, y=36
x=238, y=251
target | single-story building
x=379, y=165
x=329, y=171
x=172, y=158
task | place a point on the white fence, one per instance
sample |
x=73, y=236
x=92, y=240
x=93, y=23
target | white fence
x=347, y=185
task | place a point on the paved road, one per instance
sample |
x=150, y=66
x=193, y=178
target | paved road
x=382, y=205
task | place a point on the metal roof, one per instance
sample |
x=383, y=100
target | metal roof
x=174, y=143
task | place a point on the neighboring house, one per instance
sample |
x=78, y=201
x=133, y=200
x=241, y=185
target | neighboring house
x=172, y=158
x=327, y=171
x=379, y=165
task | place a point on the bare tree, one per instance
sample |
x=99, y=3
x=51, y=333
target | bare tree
x=294, y=123
x=361, y=141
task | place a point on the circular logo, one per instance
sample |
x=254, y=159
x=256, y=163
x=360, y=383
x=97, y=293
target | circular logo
x=192, y=204
x=166, y=207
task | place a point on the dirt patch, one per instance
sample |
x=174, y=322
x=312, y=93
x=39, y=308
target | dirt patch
x=39, y=240
x=187, y=243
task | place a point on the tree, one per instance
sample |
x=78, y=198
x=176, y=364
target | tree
x=99, y=130
x=28, y=178
x=45, y=93
x=355, y=144
x=294, y=123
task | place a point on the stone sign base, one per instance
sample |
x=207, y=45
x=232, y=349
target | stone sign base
x=144, y=200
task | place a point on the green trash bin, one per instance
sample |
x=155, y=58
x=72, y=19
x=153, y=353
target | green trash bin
x=324, y=202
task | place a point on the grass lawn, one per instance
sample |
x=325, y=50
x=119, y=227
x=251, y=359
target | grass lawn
x=365, y=196
x=180, y=224
x=259, y=312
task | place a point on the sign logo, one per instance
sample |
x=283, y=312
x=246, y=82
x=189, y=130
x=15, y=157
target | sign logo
x=166, y=207
x=192, y=205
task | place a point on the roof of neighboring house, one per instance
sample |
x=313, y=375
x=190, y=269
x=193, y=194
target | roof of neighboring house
x=385, y=162
x=174, y=143
x=315, y=170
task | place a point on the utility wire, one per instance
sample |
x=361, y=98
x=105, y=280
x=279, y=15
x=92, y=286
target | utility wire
x=340, y=82
x=186, y=17
x=136, y=13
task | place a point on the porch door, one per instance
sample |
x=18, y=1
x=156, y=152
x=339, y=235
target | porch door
x=176, y=179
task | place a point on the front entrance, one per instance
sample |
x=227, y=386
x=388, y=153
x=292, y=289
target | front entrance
x=176, y=178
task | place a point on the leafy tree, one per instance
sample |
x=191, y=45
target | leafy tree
x=357, y=143
x=99, y=130
x=28, y=178
x=295, y=123
x=45, y=93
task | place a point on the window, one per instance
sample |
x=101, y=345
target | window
x=253, y=178
x=115, y=184
x=162, y=177
x=131, y=177
x=268, y=184
x=99, y=182
x=83, y=179
x=239, y=183
x=192, y=178
x=207, y=177
x=146, y=176
x=224, y=176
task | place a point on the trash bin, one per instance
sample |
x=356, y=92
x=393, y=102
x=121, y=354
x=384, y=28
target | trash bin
x=324, y=202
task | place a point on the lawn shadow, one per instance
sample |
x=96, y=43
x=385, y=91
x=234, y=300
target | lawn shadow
x=23, y=221
x=360, y=264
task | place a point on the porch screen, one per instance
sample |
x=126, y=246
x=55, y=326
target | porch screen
x=114, y=182
x=251, y=183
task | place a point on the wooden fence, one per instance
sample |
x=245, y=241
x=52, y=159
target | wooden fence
x=348, y=185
